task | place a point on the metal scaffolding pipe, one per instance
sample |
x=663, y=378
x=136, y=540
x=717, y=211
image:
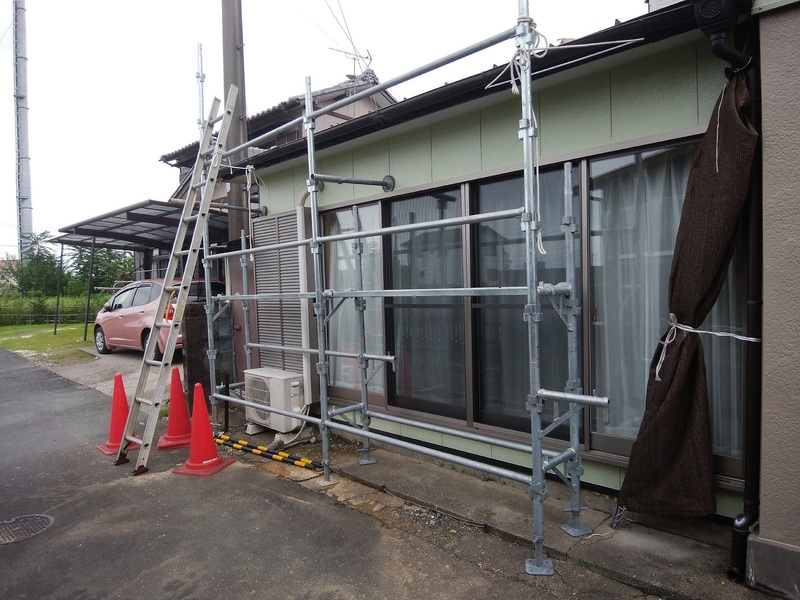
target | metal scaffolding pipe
x=464, y=462
x=466, y=220
x=432, y=66
x=576, y=398
x=474, y=437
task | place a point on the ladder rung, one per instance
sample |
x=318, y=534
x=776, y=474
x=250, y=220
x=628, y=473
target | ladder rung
x=153, y=363
x=162, y=325
x=192, y=218
x=199, y=184
x=181, y=253
x=141, y=400
x=133, y=439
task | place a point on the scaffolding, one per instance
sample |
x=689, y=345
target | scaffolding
x=355, y=419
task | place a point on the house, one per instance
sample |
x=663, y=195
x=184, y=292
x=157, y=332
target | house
x=623, y=126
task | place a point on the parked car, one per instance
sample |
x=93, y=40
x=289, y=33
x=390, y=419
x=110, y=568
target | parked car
x=126, y=319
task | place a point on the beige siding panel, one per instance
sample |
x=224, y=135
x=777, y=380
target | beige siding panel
x=654, y=95
x=500, y=146
x=576, y=115
x=371, y=162
x=339, y=165
x=456, y=147
x=410, y=158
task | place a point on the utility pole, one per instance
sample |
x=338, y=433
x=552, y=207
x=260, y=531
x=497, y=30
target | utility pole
x=238, y=220
x=233, y=74
x=24, y=205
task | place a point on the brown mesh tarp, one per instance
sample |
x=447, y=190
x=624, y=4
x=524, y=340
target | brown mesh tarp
x=671, y=465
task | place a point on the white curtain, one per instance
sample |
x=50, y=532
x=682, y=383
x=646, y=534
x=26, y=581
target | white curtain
x=344, y=331
x=634, y=212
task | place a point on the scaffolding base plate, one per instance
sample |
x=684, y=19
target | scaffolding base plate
x=576, y=530
x=531, y=568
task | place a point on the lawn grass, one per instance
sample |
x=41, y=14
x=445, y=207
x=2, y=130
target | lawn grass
x=39, y=342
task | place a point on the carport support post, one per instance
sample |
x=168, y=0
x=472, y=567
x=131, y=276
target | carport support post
x=58, y=290
x=537, y=565
x=90, y=285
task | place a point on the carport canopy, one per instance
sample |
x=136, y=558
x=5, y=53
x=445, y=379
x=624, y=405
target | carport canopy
x=147, y=225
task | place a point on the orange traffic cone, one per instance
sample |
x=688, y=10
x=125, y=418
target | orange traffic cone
x=179, y=430
x=119, y=416
x=203, y=458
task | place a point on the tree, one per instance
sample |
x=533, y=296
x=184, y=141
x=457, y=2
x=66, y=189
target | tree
x=37, y=271
x=109, y=268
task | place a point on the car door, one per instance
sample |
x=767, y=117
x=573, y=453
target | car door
x=114, y=324
x=139, y=316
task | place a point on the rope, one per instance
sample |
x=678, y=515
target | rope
x=674, y=326
x=542, y=52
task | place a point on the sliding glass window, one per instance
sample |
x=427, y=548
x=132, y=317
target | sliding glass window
x=502, y=366
x=427, y=331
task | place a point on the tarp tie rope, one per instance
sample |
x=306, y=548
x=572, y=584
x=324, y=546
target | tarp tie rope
x=674, y=326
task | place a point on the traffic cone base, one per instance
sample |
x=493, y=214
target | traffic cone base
x=203, y=458
x=179, y=431
x=119, y=416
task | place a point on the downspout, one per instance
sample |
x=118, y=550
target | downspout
x=745, y=521
x=717, y=18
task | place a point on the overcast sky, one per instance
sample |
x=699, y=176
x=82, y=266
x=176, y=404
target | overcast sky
x=112, y=85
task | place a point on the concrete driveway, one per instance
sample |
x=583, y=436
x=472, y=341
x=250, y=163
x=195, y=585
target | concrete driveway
x=247, y=531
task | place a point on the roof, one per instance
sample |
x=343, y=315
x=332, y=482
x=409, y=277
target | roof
x=141, y=226
x=647, y=29
x=282, y=113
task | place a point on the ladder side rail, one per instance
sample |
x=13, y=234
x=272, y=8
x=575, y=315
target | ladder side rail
x=188, y=275
x=148, y=357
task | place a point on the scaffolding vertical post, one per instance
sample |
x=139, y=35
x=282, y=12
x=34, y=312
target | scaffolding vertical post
x=320, y=306
x=537, y=565
x=211, y=351
x=360, y=305
x=248, y=351
x=574, y=466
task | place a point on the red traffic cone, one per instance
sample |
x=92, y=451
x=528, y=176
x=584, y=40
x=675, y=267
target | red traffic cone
x=119, y=416
x=179, y=430
x=203, y=458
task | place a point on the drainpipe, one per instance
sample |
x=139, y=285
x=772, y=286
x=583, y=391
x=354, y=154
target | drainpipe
x=716, y=19
x=745, y=521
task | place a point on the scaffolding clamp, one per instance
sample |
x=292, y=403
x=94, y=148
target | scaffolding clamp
x=530, y=315
x=526, y=129
x=537, y=491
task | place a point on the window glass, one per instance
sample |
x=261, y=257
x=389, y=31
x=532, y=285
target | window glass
x=142, y=296
x=634, y=212
x=123, y=299
x=502, y=365
x=344, y=330
x=428, y=331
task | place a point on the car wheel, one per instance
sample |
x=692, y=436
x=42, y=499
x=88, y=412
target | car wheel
x=100, y=341
x=145, y=337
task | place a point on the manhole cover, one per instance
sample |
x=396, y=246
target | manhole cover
x=21, y=528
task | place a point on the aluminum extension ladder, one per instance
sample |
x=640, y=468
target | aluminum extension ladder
x=194, y=216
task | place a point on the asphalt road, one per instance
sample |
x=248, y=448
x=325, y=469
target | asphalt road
x=245, y=532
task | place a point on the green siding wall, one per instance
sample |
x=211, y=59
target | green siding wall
x=672, y=91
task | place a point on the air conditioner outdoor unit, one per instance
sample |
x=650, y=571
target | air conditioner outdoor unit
x=277, y=388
